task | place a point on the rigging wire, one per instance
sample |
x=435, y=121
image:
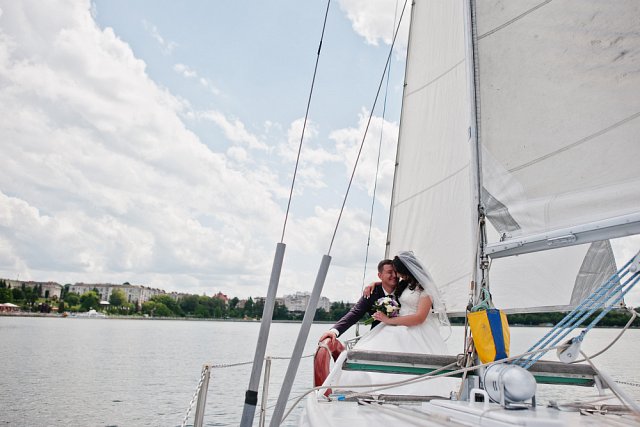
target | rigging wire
x=375, y=101
x=304, y=125
x=375, y=181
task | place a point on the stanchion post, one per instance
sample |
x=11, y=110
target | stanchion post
x=265, y=390
x=202, y=397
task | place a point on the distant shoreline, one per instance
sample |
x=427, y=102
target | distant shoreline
x=118, y=317
x=200, y=319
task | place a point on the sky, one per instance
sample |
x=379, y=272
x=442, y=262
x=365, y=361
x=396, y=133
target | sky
x=154, y=142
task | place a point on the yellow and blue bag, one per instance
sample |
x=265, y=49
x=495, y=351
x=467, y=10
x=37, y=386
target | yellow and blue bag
x=490, y=332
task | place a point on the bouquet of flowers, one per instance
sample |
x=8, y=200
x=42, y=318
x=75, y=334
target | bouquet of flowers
x=387, y=305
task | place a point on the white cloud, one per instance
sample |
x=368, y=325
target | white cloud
x=371, y=19
x=189, y=73
x=311, y=237
x=381, y=141
x=185, y=71
x=237, y=153
x=101, y=179
x=312, y=156
x=234, y=129
x=103, y=182
x=166, y=46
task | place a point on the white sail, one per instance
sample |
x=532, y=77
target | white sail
x=558, y=112
x=433, y=162
x=557, y=107
x=559, y=118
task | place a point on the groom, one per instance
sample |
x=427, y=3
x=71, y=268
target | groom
x=387, y=286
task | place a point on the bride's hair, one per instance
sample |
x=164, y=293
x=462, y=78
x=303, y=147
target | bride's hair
x=402, y=269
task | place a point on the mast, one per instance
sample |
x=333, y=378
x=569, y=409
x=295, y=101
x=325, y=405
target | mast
x=477, y=225
x=477, y=221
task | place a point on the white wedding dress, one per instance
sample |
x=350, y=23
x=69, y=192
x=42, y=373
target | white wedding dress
x=422, y=339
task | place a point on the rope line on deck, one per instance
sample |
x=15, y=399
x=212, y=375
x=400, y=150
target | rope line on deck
x=627, y=383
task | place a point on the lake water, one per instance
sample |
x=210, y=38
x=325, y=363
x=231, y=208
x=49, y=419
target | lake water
x=123, y=372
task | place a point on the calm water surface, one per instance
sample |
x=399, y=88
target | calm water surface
x=120, y=372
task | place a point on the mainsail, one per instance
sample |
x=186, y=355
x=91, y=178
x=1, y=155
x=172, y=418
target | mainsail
x=551, y=88
x=431, y=210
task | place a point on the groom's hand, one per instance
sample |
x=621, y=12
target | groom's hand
x=329, y=334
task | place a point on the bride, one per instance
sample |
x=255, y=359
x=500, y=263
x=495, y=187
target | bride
x=415, y=330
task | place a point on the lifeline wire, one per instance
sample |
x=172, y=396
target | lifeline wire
x=218, y=366
x=386, y=67
x=375, y=181
x=304, y=126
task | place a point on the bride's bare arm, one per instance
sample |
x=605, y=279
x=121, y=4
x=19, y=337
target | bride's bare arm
x=424, y=307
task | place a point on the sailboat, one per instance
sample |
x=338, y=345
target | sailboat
x=516, y=166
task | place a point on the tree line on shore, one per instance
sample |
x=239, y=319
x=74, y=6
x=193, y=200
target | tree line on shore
x=205, y=307
x=31, y=299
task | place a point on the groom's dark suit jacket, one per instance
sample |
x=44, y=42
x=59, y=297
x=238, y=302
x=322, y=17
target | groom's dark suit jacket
x=364, y=305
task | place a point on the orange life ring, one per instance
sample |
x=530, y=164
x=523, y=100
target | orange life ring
x=322, y=360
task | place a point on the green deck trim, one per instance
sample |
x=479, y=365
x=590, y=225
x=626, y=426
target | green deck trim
x=548, y=379
x=415, y=370
x=394, y=369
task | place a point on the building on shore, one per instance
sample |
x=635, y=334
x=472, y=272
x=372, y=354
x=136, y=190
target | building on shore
x=300, y=300
x=135, y=294
x=49, y=289
x=293, y=303
x=177, y=295
x=222, y=297
x=263, y=300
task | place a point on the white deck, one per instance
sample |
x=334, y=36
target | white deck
x=445, y=413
